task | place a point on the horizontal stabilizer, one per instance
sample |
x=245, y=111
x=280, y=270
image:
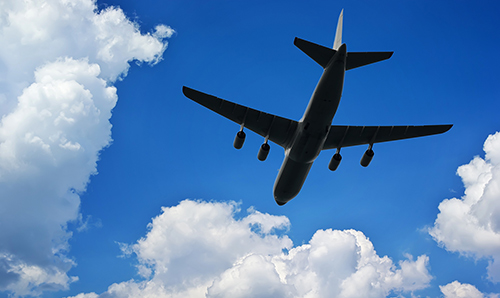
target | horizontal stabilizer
x=357, y=59
x=320, y=54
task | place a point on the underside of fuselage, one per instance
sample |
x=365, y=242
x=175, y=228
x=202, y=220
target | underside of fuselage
x=312, y=130
x=290, y=180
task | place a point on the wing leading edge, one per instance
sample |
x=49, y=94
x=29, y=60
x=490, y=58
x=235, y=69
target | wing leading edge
x=277, y=129
x=346, y=136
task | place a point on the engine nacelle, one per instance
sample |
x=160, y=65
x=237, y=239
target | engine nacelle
x=263, y=151
x=239, y=139
x=367, y=158
x=334, y=162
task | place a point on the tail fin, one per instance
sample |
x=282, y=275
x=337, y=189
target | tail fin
x=322, y=55
x=338, y=35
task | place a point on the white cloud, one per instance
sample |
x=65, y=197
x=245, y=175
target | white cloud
x=58, y=61
x=471, y=225
x=459, y=290
x=199, y=249
x=89, y=295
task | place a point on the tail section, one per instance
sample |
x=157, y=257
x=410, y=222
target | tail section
x=338, y=35
x=322, y=55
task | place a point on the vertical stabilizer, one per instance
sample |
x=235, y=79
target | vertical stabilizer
x=338, y=35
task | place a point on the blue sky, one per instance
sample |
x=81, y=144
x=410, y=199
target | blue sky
x=166, y=149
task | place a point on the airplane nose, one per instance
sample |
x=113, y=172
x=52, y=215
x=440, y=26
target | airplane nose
x=281, y=197
x=280, y=203
x=290, y=180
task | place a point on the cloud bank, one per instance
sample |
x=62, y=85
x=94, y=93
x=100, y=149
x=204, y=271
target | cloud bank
x=201, y=249
x=459, y=290
x=471, y=225
x=58, y=62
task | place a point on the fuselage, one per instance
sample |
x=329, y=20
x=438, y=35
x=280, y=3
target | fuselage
x=312, y=130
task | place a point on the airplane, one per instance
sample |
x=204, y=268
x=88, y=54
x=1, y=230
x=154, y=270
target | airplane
x=303, y=140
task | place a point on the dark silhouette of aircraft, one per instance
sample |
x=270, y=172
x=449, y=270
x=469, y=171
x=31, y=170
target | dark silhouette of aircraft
x=303, y=140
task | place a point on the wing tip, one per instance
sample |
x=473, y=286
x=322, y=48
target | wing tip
x=442, y=128
x=191, y=93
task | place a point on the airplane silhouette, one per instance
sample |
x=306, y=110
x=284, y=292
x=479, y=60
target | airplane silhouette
x=303, y=140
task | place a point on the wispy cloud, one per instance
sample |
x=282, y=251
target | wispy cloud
x=58, y=62
x=471, y=225
x=199, y=249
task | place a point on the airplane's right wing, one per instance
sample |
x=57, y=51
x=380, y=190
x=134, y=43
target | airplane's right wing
x=278, y=129
x=346, y=136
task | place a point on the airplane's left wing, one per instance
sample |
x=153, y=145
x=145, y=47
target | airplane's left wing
x=277, y=129
x=346, y=136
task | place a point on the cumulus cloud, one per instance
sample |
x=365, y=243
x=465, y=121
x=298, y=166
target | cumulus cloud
x=58, y=62
x=200, y=249
x=459, y=290
x=471, y=225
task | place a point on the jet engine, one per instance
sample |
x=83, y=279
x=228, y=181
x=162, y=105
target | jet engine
x=335, y=161
x=367, y=157
x=239, y=139
x=263, y=151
